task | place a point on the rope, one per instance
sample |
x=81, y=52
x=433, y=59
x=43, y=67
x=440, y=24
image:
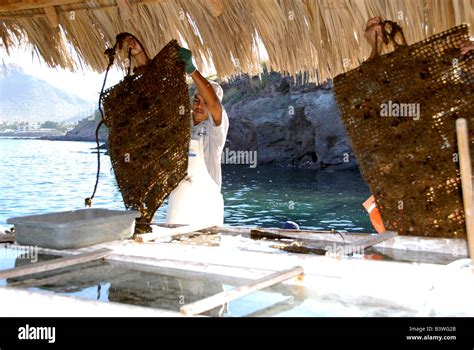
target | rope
x=129, y=61
x=111, y=54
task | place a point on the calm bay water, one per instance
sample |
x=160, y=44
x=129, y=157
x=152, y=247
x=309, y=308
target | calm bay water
x=38, y=176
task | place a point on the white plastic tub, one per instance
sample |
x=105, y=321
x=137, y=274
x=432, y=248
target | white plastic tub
x=74, y=229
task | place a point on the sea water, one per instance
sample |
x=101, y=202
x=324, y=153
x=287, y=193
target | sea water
x=40, y=176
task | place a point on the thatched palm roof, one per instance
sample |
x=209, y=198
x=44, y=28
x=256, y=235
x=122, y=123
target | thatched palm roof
x=321, y=37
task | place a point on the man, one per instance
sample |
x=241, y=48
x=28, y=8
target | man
x=197, y=200
x=210, y=121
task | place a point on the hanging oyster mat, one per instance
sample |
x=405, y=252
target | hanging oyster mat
x=399, y=110
x=149, y=132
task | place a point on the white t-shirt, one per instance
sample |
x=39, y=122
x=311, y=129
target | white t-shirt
x=213, y=138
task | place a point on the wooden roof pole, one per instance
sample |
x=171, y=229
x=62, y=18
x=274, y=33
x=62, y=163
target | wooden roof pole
x=77, y=7
x=52, y=16
x=54, y=264
x=19, y=5
x=466, y=181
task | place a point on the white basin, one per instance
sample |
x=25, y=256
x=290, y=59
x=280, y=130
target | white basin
x=74, y=229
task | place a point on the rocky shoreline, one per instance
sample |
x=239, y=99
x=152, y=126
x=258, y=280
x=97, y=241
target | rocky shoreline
x=291, y=126
x=84, y=131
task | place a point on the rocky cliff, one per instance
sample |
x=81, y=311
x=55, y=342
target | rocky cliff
x=287, y=124
x=84, y=131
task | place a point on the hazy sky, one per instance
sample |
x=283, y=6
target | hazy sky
x=84, y=84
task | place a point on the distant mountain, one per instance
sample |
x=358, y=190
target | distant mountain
x=26, y=98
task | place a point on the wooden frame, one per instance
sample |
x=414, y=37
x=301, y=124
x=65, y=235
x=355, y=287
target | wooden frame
x=54, y=264
x=466, y=181
x=206, y=304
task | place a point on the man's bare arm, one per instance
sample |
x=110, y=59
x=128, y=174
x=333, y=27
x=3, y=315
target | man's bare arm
x=207, y=92
x=466, y=46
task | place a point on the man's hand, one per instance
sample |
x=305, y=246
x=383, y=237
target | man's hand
x=134, y=46
x=137, y=51
x=466, y=46
x=374, y=21
x=187, y=56
x=373, y=34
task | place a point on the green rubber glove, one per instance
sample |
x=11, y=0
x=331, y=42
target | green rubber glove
x=187, y=56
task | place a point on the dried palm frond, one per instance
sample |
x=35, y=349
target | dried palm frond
x=322, y=38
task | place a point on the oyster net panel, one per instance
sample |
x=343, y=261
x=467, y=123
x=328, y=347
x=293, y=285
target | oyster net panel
x=148, y=115
x=400, y=111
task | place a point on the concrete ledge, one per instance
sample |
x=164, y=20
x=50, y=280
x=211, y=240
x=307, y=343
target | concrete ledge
x=37, y=304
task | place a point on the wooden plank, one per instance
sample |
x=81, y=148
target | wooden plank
x=298, y=234
x=210, y=303
x=52, y=16
x=308, y=236
x=466, y=181
x=301, y=249
x=163, y=232
x=240, y=229
x=258, y=234
x=54, y=264
x=337, y=249
x=19, y=5
x=78, y=5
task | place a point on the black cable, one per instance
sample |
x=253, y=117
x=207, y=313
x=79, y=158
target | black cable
x=129, y=61
x=111, y=54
